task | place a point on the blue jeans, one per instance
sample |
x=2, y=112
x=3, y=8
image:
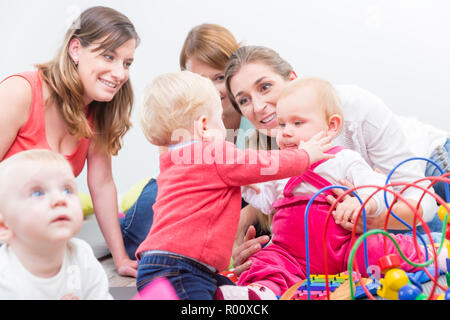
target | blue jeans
x=138, y=219
x=190, y=279
x=442, y=158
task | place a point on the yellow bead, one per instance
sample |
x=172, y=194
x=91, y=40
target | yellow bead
x=442, y=211
x=441, y=297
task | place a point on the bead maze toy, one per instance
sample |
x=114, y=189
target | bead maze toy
x=396, y=283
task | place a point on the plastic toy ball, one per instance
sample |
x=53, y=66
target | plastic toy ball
x=408, y=292
x=442, y=211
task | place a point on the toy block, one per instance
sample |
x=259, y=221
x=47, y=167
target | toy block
x=360, y=293
x=409, y=292
x=317, y=288
x=315, y=295
x=329, y=281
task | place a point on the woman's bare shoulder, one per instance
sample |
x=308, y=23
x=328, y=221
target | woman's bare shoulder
x=15, y=99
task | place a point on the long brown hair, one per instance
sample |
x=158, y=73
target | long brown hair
x=211, y=44
x=112, y=118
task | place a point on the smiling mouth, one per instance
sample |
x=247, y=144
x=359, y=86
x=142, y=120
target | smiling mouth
x=108, y=83
x=268, y=119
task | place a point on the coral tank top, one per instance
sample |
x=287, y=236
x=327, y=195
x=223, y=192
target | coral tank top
x=32, y=134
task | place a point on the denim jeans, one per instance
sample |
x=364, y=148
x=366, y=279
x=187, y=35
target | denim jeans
x=442, y=158
x=138, y=219
x=190, y=279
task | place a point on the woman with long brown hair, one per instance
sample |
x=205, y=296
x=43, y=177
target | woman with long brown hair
x=79, y=104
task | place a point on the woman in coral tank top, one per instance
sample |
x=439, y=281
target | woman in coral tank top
x=79, y=105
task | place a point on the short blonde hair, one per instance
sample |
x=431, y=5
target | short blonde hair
x=173, y=101
x=329, y=99
x=35, y=155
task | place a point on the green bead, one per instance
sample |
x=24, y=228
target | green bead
x=422, y=296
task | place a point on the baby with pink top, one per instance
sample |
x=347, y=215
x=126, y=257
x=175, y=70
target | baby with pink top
x=306, y=107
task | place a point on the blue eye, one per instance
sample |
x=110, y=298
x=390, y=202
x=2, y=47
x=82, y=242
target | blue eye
x=67, y=191
x=37, y=193
x=282, y=125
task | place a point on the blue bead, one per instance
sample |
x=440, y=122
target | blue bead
x=447, y=295
x=408, y=292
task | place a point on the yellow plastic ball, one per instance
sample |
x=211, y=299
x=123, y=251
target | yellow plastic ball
x=442, y=211
x=132, y=195
x=86, y=203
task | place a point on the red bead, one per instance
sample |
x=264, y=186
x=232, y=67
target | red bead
x=387, y=262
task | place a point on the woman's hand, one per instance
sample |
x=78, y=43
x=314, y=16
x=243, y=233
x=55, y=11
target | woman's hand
x=127, y=268
x=250, y=246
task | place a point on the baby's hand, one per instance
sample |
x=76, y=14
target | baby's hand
x=316, y=147
x=347, y=210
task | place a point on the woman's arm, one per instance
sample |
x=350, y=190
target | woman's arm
x=104, y=198
x=379, y=138
x=15, y=103
x=401, y=209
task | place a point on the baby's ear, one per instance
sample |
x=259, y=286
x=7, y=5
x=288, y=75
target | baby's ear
x=201, y=127
x=334, y=124
x=5, y=231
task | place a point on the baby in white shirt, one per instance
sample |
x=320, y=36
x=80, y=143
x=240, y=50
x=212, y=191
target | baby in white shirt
x=40, y=213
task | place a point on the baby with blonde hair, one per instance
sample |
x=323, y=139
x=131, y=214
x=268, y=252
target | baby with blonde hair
x=197, y=208
x=40, y=213
x=305, y=107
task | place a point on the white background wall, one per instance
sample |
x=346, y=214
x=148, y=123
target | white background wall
x=398, y=49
